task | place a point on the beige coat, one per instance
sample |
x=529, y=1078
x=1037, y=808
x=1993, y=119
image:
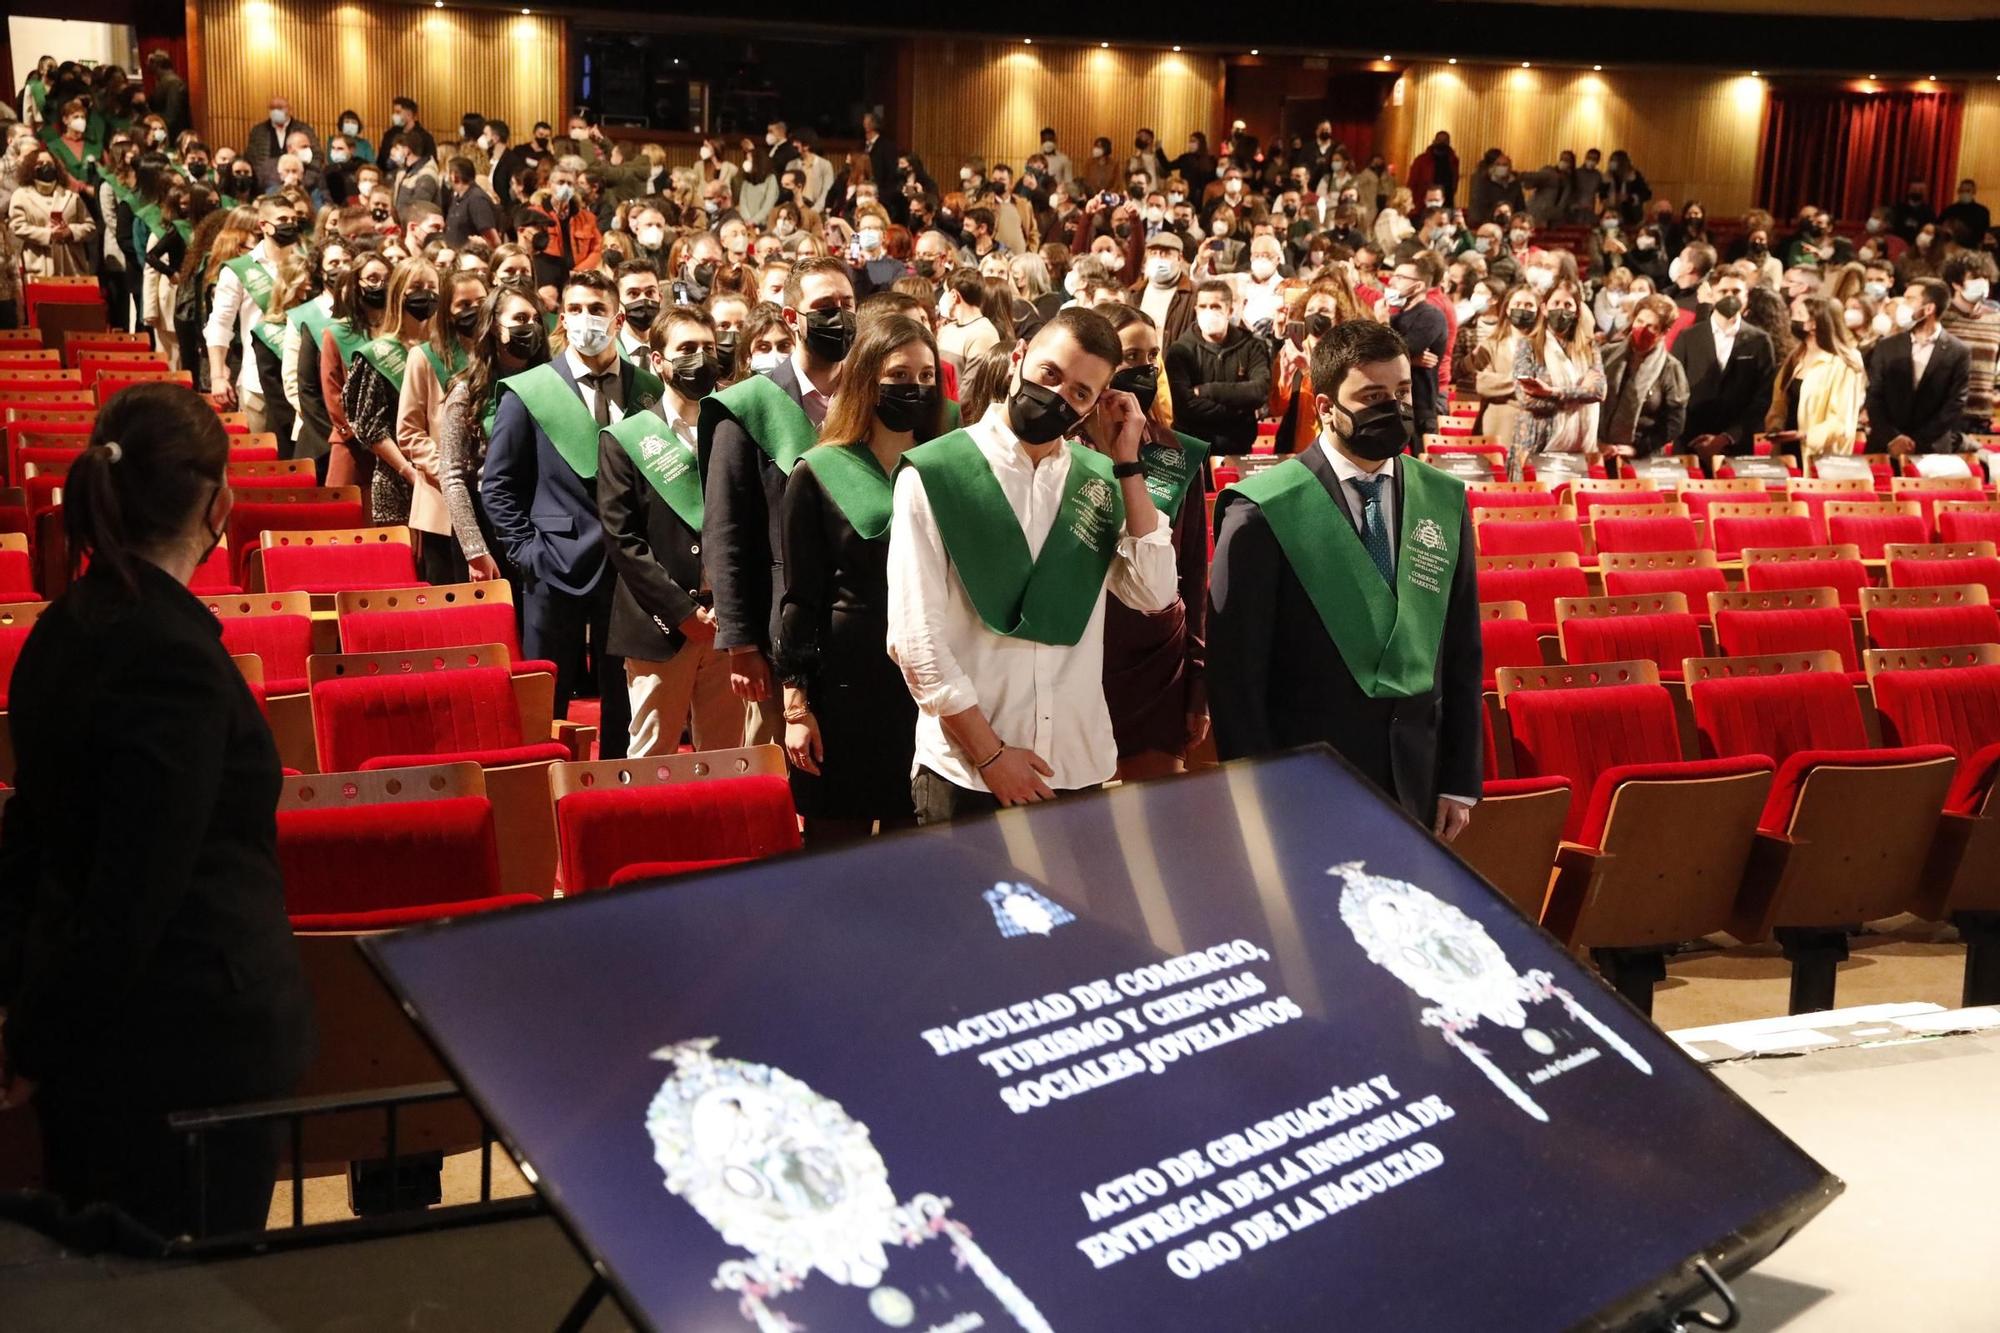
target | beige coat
x=31, y=216
x=1831, y=391
x=418, y=409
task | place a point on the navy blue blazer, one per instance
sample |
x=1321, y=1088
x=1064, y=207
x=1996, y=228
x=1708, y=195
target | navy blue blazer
x=544, y=513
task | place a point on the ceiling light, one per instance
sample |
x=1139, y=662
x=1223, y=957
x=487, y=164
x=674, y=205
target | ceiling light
x=1027, y=41
x=1176, y=48
x=1388, y=57
x=1253, y=50
x=1756, y=73
x=1597, y=67
x=1524, y=64
x=1454, y=61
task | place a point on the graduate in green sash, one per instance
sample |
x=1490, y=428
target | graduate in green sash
x=752, y=433
x=305, y=327
x=649, y=498
x=850, y=723
x=248, y=308
x=374, y=390
x=1005, y=538
x=1344, y=607
x=420, y=421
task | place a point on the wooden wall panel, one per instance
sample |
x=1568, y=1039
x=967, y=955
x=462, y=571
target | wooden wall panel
x=1693, y=134
x=991, y=99
x=1979, y=143
x=329, y=55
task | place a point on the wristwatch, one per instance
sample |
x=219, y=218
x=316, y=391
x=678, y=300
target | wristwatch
x=1135, y=468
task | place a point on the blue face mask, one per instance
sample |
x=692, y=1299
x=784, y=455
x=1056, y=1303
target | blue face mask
x=1875, y=290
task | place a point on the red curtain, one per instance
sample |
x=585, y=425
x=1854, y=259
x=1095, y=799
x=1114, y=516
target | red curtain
x=1850, y=152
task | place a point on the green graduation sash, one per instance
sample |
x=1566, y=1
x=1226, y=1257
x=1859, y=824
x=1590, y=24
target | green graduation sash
x=667, y=464
x=312, y=317
x=74, y=165
x=1047, y=598
x=444, y=370
x=258, y=287
x=558, y=409
x=389, y=356
x=767, y=413
x=952, y=419
x=1388, y=640
x=347, y=340
x=1170, y=468
x=853, y=479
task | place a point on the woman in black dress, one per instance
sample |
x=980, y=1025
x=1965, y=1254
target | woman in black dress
x=146, y=962
x=850, y=723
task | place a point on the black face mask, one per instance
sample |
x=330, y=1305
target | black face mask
x=1522, y=318
x=197, y=171
x=419, y=305
x=375, y=298
x=927, y=268
x=725, y=346
x=701, y=275
x=694, y=374
x=904, y=407
x=524, y=340
x=1319, y=324
x=1728, y=306
x=1562, y=321
x=285, y=233
x=1142, y=382
x=246, y=181
x=1799, y=329
x=1379, y=432
x=829, y=333
x=465, y=321
x=46, y=173
x=1038, y=414
x=641, y=314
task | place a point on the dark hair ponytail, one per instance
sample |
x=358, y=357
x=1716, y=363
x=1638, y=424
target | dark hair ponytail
x=156, y=457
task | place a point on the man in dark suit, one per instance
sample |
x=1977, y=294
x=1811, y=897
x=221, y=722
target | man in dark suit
x=649, y=496
x=1730, y=365
x=1424, y=330
x=882, y=157
x=540, y=488
x=1343, y=606
x=751, y=434
x=1917, y=378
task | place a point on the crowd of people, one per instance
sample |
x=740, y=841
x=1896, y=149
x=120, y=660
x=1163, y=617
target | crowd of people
x=906, y=475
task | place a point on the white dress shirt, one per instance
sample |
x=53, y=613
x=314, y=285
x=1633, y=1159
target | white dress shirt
x=1921, y=348
x=1724, y=333
x=1040, y=696
x=578, y=369
x=233, y=314
x=1344, y=468
x=812, y=400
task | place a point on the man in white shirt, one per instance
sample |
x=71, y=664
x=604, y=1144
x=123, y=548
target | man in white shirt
x=999, y=559
x=246, y=288
x=1729, y=367
x=1061, y=169
x=639, y=299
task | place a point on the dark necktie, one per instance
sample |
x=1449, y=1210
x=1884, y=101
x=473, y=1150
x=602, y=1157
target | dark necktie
x=605, y=385
x=1374, y=532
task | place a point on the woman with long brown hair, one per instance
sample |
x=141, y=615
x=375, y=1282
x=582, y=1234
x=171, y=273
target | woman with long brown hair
x=1154, y=662
x=508, y=338
x=375, y=378
x=1560, y=381
x=360, y=312
x=420, y=416
x=850, y=723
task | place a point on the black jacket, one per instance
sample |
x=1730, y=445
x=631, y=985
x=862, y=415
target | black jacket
x=657, y=558
x=1930, y=411
x=1276, y=680
x=145, y=954
x=1422, y=328
x=1726, y=400
x=743, y=499
x=1234, y=383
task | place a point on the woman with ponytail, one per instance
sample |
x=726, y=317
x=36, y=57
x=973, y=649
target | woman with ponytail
x=146, y=962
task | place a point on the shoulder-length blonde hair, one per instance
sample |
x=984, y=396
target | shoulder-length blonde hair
x=850, y=418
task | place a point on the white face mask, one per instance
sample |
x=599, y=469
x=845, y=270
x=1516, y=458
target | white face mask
x=350, y=127
x=1162, y=272
x=1262, y=267
x=303, y=154
x=1854, y=319
x=869, y=238
x=1883, y=325
x=765, y=362
x=77, y=124
x=485, y=143
x=1220, y=226
x=563, y=192
x=1213, y=323
x=588, y=334
x=277, y=118
x=651, y=237
x=1906, y=318
x=159, y=136
x=1975, y=289
x=772, y=141
x=1541, y=279
x=1393, y=299
x=396, y=119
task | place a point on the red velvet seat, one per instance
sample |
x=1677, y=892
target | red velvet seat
x=1479, y=497
x=1925, y=573
x=388, y=856
x=1846, y=831
x=1805, y=630
x=673, y=827
x=339, y=562
x=1529, y=537
x=447, y=616
x=640, y=871
x=1928, y=498
x=1967, y=525
x=1845, y=574
x=1580, y=734
x=1669, y=532
x=397, y=918
x=1534, y=582
x=1732, y=534
x=1817, y=495
x=1508, y=643
x=1692, y=573
x=1588, y=498
x=1873, y=533
x=1933, y=627
x=319, y=509
x=393, y=721
x=1954, y=706
x=17, y=570
x=212, y=577
x=1665, y=639
x=275, y=628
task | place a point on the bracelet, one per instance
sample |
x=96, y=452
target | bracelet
x=1135, y=468
x=989, y=760
x=799, y=714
